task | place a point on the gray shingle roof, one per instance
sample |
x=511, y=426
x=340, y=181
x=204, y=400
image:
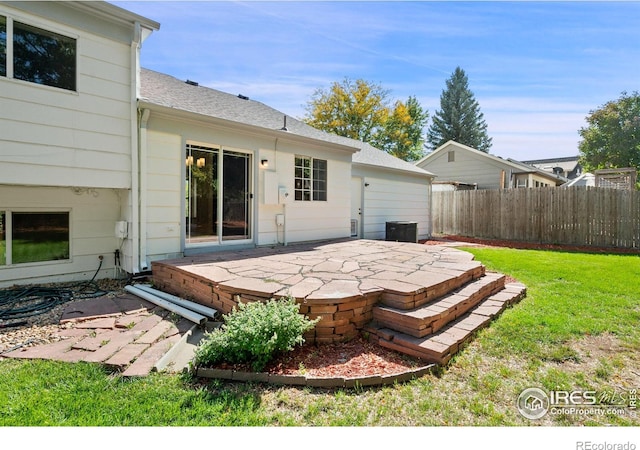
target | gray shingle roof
x=164, y=90
x=372, y=156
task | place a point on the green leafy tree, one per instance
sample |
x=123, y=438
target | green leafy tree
x=459, y=117
x=361, y=110
x=403, y=131
x=612, y=137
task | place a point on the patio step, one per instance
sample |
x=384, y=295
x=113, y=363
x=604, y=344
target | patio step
x=433, y=316
x=439, y=346
x=430, y=283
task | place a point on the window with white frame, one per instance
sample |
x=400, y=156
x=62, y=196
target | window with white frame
x=39, y=56
x=310, y=179
x=34, y=236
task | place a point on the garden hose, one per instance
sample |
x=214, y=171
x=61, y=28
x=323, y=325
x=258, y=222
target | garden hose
x=19, y=303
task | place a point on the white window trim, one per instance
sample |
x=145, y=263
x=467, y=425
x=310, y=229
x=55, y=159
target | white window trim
x=46, y=26
x=8, y=217
x=311, y=189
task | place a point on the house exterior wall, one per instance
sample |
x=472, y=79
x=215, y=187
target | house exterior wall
x=162, y=214
x=390, y=196
x=71, y=150
x=166, y=136
x=92, y=217
x=304, y=221
x=56, y=137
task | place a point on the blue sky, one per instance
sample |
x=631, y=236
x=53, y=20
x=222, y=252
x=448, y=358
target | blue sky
x=536, y=68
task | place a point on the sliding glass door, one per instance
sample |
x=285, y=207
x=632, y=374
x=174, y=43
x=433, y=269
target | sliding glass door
x=218, y=195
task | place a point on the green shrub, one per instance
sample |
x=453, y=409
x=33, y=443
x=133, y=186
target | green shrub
x=255, y=332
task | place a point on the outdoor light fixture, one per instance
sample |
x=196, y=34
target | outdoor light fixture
x=200, y=162
x=264, y=163
x=189, y=161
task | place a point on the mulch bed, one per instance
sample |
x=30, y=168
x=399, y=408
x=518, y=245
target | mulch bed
x=355, y=358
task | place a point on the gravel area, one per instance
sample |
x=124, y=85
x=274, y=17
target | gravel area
x=41, y=327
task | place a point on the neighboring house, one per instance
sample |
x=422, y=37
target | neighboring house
x=456, y=163
x=622, y=178
x=568, y=167
x=106, y=165
x=585, y=179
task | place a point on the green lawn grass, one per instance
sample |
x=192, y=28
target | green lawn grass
x=576, y=329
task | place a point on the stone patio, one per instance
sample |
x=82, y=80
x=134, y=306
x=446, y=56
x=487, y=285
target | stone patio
x=406, y=288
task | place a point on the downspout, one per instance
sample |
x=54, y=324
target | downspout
x=135, y=168
x=143, y=152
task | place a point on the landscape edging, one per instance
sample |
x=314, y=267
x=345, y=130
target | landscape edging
x=311, y=381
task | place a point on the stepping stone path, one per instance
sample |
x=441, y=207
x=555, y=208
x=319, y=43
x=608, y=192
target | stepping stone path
x=125, y=333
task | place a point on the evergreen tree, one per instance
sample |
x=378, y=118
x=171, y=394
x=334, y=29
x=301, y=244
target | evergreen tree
x=459, y=118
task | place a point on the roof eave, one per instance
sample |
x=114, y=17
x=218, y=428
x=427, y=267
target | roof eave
x=114, y=13
x=261, y=131
x=424, y=173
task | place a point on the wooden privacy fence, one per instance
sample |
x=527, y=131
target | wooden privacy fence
x=598, y=217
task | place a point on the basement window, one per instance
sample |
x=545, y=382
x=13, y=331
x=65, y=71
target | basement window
x=27, y=237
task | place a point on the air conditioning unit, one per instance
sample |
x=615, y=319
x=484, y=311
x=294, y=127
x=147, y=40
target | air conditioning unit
x=402, y=231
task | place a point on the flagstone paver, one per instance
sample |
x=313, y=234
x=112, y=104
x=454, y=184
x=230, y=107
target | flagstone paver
x=126, y=354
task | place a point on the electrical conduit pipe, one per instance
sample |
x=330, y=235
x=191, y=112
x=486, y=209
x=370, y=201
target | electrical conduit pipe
x=184, y=312
x=193, y=306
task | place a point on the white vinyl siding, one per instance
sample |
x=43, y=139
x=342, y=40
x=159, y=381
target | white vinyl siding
x=163, y=195
x=51, y=136
x=313, y=220
x=92, y=215
x=391, y=197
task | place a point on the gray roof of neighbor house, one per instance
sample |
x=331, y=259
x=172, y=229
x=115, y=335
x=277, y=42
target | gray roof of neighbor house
x=567, y=164
x=169, y=92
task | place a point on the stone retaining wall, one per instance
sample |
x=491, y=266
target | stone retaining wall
x=340, y=318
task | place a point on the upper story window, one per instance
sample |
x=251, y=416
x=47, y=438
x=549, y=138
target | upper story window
x=36, y=55
x=3, y=46
x=44, y=57
x=310, y=179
